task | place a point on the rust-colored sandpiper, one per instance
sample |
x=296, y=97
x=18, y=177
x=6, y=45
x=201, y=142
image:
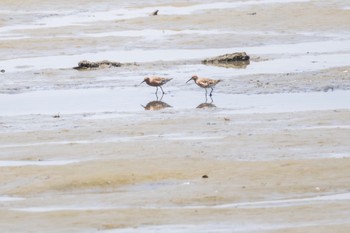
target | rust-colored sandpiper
x=205, y=83
x=156, y=82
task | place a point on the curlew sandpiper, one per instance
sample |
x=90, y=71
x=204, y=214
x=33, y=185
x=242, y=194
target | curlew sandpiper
x=205, y=83
x=156, y=82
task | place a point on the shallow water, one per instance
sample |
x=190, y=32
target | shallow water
x=306, y=56
x=78, y=17
x=287, y=202
x=257, y=204
x=7, y=198
x=10, y=163
x=20, y=163
x=251, y=226
x=132, y=100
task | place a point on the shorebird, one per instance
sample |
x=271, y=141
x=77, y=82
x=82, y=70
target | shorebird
x=156, y=82
x=205, y=83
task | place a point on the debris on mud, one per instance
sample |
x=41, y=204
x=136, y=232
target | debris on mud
x=2, y=71
x=88, y=65
x=56, y=116
x=232, y=60
x=227, y=58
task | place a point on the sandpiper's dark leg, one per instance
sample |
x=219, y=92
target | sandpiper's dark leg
x=206, y=93
x=211, y=100
x=156, y=90
x=162, y=89
x=161, y=97
x=211, y=91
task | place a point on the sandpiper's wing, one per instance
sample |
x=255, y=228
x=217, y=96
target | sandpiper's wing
x=160, y=81
x=206, y=82
x=203, y=82
x=213, y=82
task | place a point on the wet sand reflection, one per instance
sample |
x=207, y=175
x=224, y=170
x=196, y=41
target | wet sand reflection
x=206, y=105
x=156, y=105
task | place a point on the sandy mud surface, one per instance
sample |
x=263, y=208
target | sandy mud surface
x=94, y=151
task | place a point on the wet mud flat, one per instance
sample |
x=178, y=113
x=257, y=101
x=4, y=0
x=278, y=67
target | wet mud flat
x=154, y=171
x=93, y=151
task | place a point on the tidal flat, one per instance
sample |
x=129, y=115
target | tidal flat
x=94, y=151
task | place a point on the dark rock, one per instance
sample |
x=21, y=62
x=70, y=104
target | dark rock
x=155, y=12
x=205, y=176
x=2, y=71
x=86, y=65
x=232, y=60
x=328, y=88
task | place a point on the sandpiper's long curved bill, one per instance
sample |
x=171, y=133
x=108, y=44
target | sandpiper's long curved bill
x=189, y=80
x=142, y=82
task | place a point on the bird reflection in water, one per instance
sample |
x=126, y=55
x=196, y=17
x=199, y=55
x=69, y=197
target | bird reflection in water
x=207, y=105
x=156, y=105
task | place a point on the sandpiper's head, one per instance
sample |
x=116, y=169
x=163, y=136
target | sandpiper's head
x=145, y=80
x=194, y=78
